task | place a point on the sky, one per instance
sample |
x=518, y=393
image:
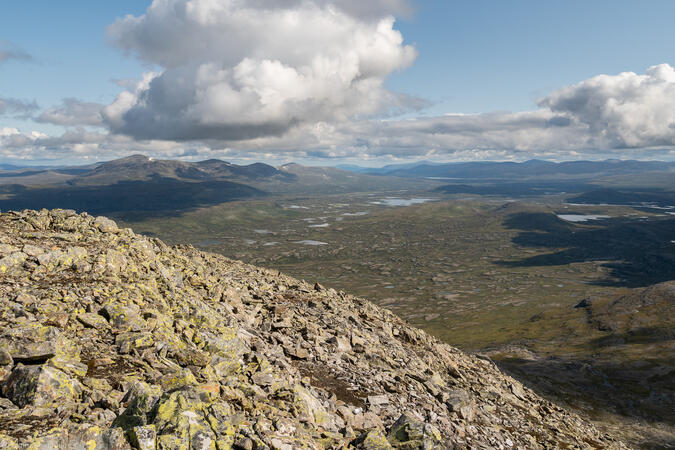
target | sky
x=336, y=81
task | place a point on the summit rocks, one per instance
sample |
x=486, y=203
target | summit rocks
x=110, y=340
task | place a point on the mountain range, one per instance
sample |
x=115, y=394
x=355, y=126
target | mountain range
x=512, y=170
x=141, y=184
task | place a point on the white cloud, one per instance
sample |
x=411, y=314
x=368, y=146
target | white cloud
x=306, y=77
x=73, y=112
x=624, y=110
x=303, y=79
x=13, y=142
x=79, y=143
x=237, y=70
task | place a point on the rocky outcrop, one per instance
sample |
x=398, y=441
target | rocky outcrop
x=110, y=340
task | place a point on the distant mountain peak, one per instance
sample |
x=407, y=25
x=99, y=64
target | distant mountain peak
x=136, y=157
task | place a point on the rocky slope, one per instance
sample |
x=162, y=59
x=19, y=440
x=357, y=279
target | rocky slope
x=110, y=340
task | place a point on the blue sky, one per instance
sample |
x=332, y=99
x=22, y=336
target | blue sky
x=472, y=57
x=480, y=56
x=71, y=56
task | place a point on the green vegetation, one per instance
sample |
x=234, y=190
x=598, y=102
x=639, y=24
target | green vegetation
x=484, y=274
x=527, y=272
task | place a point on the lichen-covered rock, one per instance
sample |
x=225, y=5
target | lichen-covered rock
x=373, y=440
x=408, y=432
x=123, y=317
x=143, y=437
x=61, y=259
x=39, y=386
x=141, y=399
x=92, y=320
x=310, y=409
x=79, y=438
x=31, y=342
x=12, y=262
x=189, y=418
x=105, y=225
x=109, y=339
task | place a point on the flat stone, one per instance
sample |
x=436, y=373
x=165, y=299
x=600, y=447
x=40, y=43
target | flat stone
x=282, y=324
x=296, y=352
x=40, y=385
x=377, y=400
x=262, y=379
x=33, y=250
x=92, y=320
x=31, y=343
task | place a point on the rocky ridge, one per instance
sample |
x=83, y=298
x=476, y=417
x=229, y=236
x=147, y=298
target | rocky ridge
x=111, y=340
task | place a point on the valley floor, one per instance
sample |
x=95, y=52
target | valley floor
x=526, y=283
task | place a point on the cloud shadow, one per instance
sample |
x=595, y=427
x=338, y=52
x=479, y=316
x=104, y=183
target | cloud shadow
x=130, y=200
x=638, y=252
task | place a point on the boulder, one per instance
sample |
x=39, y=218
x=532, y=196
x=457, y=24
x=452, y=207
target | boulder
x=12, y=262
x=39, y=386
x=407, y=432
x=33, y=342
x=61, y=259
x=141, y=399
x=461, y=403
x=143, y=437
x=105, y=225
x=372, y=440
x=188, y=418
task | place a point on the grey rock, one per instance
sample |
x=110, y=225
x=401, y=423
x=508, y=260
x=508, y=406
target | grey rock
x=214, y=352
x=32, y=343
x=105, y=225
x=143, y=437
x=39, y=386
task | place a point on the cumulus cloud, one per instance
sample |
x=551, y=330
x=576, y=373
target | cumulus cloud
x=606, y=114
x=308, y=103
x=16, y=107
x=521, y=132
x=306, y=77
x=237, y=70
x=73, y=112
x=10, y=51
x=625, y=110
x=13, y=142
x=82, y=144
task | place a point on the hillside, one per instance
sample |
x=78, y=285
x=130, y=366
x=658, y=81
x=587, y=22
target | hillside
x=110, y=338
x=142, y=168
x=139, y=186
